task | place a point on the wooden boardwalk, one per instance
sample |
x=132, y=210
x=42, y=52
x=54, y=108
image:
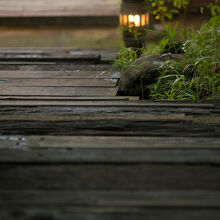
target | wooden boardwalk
x=70, y=149
x=38, y=8
x=59, y=13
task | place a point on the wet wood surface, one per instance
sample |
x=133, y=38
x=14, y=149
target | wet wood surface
x=71, y=149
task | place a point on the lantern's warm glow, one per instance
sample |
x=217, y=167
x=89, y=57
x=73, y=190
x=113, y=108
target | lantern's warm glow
x=134, y=20
x=125, y=19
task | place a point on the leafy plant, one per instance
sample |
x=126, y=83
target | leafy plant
x=197, y=76
x=215, y=8
x=126, y=57
x=165, y=9
x=136, y=32
x=168, y=41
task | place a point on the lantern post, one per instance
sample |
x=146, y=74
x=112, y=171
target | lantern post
x=134, y=19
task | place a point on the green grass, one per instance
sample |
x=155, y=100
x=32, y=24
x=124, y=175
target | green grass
x=197, y=76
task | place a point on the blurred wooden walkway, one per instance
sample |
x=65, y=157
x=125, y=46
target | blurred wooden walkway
x=70, y=149
x=16, y=8
x=59, y=13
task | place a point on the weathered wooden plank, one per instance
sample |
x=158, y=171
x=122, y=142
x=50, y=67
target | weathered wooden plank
x=49, y=55
x=59, y=74
x=12, y=82
x=116, y=213
x=112, y=198
x=147, y=118
x=217, y=97
x=67, y=8
x=66, y=98
x=58, y=91
x=109, y=125
x=109, y=176
x=101, y=110
x=106, y=54
x=26, y=63
x=90, y=103
x=49, y=149
x=107, y=142
x=60, y=21
x=61, y=66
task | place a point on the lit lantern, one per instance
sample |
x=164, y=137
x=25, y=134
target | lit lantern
x=137, y=21
x=134, y=19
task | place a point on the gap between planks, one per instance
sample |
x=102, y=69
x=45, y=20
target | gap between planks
x=69, y=98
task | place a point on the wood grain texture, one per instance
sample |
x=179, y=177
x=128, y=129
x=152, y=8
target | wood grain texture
x=98, y=103
x=26, y=63
x=114, y=198
x=109, y=176
x=52, y=149
x=88, y=110
x=116, y=213
x=57, y=82
x=48, y=55
x=59, y=74
x=80, y=152
x=107, y=126
x=61, y=66
x=59, y=91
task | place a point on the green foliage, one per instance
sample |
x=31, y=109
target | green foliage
x=197, y=76
x=215, y=8
x=126, y=57
x=135, y=31
x=168, y=39
x=163, y=9
x=166, y=9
